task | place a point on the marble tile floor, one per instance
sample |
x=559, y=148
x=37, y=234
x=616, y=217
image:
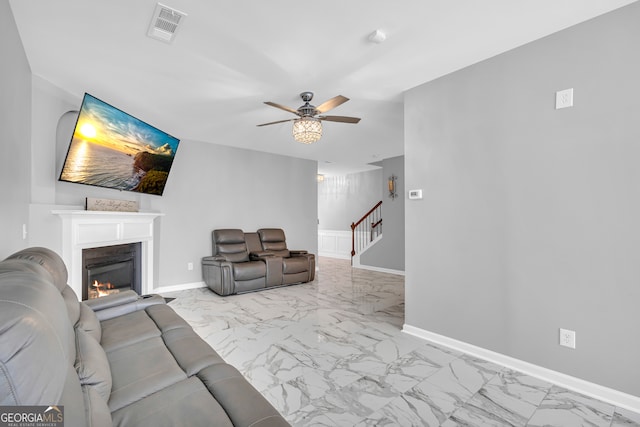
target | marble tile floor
x=331, y=353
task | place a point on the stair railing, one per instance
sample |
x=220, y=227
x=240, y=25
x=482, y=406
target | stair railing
x=366, y=229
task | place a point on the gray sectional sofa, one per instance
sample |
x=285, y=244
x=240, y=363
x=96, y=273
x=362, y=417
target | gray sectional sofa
x=120, y=360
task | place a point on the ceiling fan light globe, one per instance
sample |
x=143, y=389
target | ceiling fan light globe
x=307, y=130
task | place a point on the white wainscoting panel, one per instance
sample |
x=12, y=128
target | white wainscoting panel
x=334, y=243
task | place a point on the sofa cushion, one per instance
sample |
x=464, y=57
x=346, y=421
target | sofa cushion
x=72, y=400
x=253, y=242
x=92, y=364
x=140, y=369
x=243, y=403
x=89, y=322
x=295, y=265
x=128, y=329
x=249, y=270
x=165, y=318
x=35, y=337
x=273, y=240
x=236, y=252
x=191, y=352
x=50, y=260
x=97, y=410
x=24, y=265
x=71, y=301
x=230, y=244
x=185, y=403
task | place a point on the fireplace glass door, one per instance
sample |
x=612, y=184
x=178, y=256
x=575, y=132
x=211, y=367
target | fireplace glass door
x=111, y=269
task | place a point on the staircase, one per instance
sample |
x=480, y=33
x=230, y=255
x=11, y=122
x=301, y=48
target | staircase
x=366, y=231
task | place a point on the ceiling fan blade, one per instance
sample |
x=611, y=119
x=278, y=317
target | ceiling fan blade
x=332, y=103
x=282, y=107
x=279, y=121
x=341, y=119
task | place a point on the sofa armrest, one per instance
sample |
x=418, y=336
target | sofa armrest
x=298, y=252
x=216, y=260
x=115, y=305
x=259, y=256
x=273, y=264
x=311, y=258
x=217, y=274
x=108, y=301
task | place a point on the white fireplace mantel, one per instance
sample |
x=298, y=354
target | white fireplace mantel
x=91, y=229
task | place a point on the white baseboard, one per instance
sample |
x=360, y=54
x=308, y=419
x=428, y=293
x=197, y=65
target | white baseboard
x=181, y=287
x=334, y=255
x=378, y=269
x=605, y=394
x=355, y=261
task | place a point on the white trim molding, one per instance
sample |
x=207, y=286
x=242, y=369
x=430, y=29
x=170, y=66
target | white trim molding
x=181, y=287
x=605, y=394
x=378, y=269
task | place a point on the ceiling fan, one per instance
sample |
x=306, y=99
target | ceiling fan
x=307, y=127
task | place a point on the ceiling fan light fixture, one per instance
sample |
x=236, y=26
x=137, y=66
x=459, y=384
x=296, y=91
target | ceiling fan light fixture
x=307, y=130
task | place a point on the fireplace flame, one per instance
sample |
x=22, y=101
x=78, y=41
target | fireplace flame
x=103, y=289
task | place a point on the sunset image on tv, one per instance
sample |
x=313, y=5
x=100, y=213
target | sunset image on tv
x=110, y=148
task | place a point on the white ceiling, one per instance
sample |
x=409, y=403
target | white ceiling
x=230, y=56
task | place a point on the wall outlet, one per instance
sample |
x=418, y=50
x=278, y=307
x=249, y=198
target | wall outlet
x=564, y=98
x=567, y=338
x=189, y=266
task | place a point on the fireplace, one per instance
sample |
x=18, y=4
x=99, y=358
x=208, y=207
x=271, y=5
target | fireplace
x=111, y=269
x=90, y=229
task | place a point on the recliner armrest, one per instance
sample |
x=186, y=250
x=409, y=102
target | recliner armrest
x=214, y=260
x=257, y=256
x=108, y=301
x=115, y=305
x=298, y=252
x=217, y=274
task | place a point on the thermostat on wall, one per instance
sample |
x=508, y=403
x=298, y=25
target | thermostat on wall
x=415, y=194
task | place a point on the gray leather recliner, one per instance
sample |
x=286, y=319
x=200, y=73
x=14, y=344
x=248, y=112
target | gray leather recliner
x=245, y=262
x=230, y=270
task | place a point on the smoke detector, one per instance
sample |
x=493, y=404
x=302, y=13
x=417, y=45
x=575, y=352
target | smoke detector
x=165, y=23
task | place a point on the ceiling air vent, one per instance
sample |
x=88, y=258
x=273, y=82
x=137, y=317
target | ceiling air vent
x=165, y=23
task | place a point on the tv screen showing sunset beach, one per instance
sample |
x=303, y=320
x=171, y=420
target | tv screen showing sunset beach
x=110, y=148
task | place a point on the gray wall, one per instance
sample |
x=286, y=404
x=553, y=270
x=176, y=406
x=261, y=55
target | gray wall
x=389, y=251
x=343, y=199
x=214, y=186
x=15, y=106
x=530, y=215
x=210, y=186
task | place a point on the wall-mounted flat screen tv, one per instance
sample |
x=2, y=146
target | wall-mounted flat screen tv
x=110, y=148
